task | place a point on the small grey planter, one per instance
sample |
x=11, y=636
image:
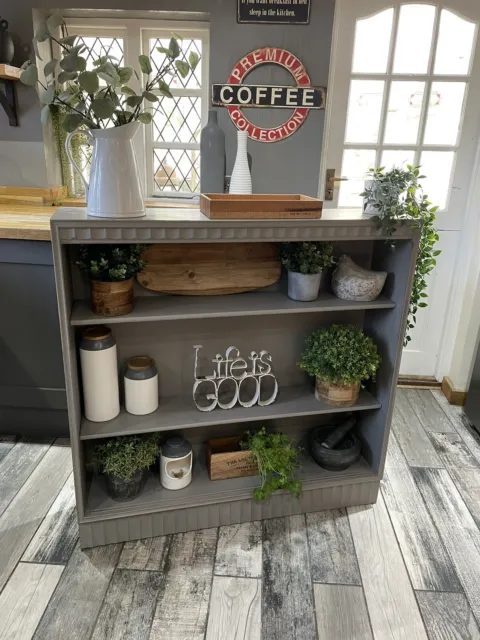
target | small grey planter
x=304, y=287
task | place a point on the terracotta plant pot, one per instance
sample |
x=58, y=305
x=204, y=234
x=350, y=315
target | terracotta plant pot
x=336, y=395
x=112, y=298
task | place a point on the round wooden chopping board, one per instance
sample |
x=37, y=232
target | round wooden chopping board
x=210, y=269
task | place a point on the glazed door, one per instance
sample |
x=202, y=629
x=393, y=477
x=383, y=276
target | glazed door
x=404, y=89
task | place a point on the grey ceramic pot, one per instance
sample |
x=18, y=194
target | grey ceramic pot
x=303, y=287
x=122, y=490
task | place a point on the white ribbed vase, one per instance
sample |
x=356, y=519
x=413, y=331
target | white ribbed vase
x=241, y=181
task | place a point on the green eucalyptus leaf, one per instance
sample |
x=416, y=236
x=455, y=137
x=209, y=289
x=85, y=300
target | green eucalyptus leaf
x=69, y=62
x=103, y=108
x=50, y=67
x=145, y=64
x=128, y=91
x=151, y=97
x=43, y=32
x=81, y=64
x=108, y=78
x=65, y=96
x=193, y=59
x=145, y=117
x=166, y=52
x=66, y=76
x=30, y=75
x=35, y=48
x=177, y=36
x=45, y=114
x=164, y=89
x=125, y=73
x=68, y=41
x=71, y=121
x=26, y=64
x=174, y=47
x=183, y=68
x=49, y=95
x=88, y=80
x=134, y=101
x=55, y=21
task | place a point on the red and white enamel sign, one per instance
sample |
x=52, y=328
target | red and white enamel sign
x=235, y=95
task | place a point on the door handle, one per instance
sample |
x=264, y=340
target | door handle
x=330, y=181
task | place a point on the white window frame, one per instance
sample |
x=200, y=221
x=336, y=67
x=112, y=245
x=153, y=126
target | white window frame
x=136, y=34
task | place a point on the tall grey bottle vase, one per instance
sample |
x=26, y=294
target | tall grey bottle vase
x=212, y=156
x=241, y=181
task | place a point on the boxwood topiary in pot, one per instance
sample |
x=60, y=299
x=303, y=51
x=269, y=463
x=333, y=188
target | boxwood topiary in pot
x=111, y=269
x=306, y=262
x=340, y=357
x=124, y=461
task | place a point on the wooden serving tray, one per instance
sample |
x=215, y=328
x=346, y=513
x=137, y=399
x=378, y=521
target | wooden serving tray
x=225, y=206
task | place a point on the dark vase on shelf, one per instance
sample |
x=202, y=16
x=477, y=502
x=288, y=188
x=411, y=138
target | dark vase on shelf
x=212, y=156
x=7, y=48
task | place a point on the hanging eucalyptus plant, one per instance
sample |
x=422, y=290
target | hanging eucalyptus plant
x=101, y=96
x=398, y=197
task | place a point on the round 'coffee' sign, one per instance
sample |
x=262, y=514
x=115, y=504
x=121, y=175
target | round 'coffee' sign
x=235, y=95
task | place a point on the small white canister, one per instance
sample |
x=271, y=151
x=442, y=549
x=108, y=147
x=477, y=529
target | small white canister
x=141, y=386
x=98, y=360
x=176, y=461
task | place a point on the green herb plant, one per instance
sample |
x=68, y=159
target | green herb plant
x=277, y=458
x=341, y=355
x=123, y=457
x=398, y=197
x=111, y=263
x=307, y=257
x=101, y=96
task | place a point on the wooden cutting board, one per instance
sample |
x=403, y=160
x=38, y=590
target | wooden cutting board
x=210, y=269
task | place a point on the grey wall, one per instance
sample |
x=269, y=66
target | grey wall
x=291, y=165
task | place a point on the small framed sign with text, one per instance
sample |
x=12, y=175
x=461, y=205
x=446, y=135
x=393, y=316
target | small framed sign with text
x=274, y=11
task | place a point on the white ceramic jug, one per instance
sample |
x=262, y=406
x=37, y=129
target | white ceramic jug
x=114, y=190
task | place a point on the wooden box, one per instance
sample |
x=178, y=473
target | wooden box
x=225, y=459
x=225, y=206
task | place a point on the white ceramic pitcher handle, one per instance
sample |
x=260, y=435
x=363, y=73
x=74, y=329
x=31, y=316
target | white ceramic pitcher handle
x=70, y=157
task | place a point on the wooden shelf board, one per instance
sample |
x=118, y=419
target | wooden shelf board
x=155, y=498
x=7, y=72
x=165, y=307
x=181, y=413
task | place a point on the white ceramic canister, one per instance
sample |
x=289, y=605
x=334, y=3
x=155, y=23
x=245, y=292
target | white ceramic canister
x=176, y=461
x=141, y=386
x=98, y=360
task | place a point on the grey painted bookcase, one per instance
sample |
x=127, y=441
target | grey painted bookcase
x=167, y=327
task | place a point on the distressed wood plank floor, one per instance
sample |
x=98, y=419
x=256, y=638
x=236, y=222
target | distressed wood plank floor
x=405, y=568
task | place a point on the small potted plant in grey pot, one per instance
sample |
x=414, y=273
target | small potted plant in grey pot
x=306, y=263
x=111, y=269
x=124, y=462
x=340, y=357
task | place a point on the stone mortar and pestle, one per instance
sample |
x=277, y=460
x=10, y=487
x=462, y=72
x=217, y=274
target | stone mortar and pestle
x=335, y=448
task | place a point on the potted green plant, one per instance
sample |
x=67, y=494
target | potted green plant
x=339, y=357
x=111, y=269
x=277, y=459
x=306, y=262
x=124, y=462
x=108, y=101
x=394, y=198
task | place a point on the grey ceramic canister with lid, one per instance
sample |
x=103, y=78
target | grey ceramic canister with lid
x=212, y=156
x=141, y=386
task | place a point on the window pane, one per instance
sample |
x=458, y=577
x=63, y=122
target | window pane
x=176, y=170
x=372, y=43
x=414, y=38
x=455, y=44
x=437, y=167
x=404, y=108
x=444, y=113
x=364, y=109
x=397, y=158
x=177, y=120
x=101, y=46
x=194, y=79
x=355, y=164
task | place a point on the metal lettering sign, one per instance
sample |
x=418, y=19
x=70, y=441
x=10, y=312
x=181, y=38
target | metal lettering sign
x=234, y=95
x=274, y=11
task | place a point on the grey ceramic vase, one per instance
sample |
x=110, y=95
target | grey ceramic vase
x=303, y=287
x=212, y=156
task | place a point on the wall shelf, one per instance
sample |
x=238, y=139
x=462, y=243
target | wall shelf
x=8, y=75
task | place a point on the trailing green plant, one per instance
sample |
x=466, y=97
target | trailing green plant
x=111, y=263
x=399, y=198
x=103, y=95
x=340, y=354
x=277, y=458
x=123, y=457
x=307, y=257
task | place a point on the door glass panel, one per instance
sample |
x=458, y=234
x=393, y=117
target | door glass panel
x=364, y=109
x=397, y=158
x=372, y=42
x=404, y=109
x=444, y=112
x=414, y=38
x=355, y=164
x=437, y=167
x=455, y=44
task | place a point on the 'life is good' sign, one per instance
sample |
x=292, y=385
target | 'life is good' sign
x=234, y=95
